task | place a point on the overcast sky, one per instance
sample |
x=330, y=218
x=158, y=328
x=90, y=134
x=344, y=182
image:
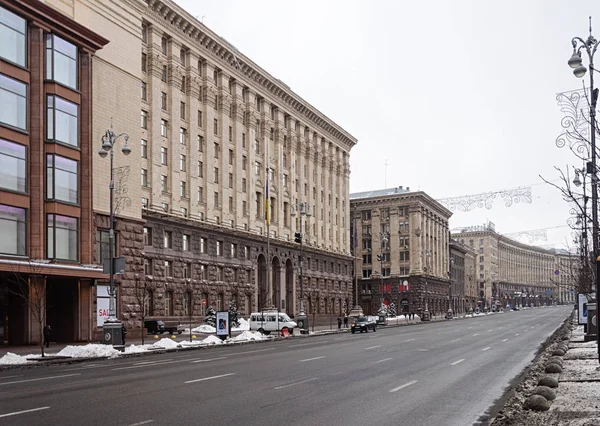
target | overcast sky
x=458, y=96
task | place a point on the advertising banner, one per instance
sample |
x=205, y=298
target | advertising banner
x=223, y=323
x=582, y=309
x=102, y=304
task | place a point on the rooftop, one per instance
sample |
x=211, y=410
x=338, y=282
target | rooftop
x=380, y=192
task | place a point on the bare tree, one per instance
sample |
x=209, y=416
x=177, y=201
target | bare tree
x=31, y=289
x=141, y=295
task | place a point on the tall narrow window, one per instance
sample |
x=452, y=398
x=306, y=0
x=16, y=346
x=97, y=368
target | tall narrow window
x=182, y=110
x=144, y=177
x=163, y=101
x=13, y=166
x=182, y=136
x=163, y=127
x=62, y=121
x=144, y=148
x=144, y=62
x=163, y=156
x=163, y=77
x=13, y=99
x=182, y=162
x=231, y=157
x=13, y=228
x=163, y=45
x=182, y=188
x=62, y=237
x=200, y=141
x=216, y=126
x=164, y=185
x=62, y=179
x=144, y=120
x=169, y=303
x=13, y=39
x=144, y=91
x=200, y=169
x=61, y=61
x=216, y=175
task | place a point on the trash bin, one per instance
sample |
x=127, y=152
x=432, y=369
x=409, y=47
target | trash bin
x=592, y=322
x=111, y=334
x=302, y=322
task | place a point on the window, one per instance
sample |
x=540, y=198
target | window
x=13, y=222
x=168, y=239
x=243, y=140
x=169, y=303
x=481, y=258
x=183, y=84
x=163, y=155
x=13, y=98
x=216, y=149
x=231, y=180
x=203, y=277
x=163, y=45
x=257, y=167
x=182, y=110
x=272, y=134
x=200, y=196
x=216, y=127
x=62, y=179
x=219, y=248
x=230, y=204
x=144, y=91
x=244, y=208
x=144, y=177
x=148, y=267
x=187, y=297
x=13, y=163
x=103, y=246
x=403, y=256
x=182, y=56
x=164, y=184
x=230, y=133
x=231, y=157
x=149, y=301
x=163, y=127
x=480, y=249
x=202, y=245
x=216, y=199
x=182, y=162
x=144, y=203
x=144, y=120
x=163, y=77
x=13, y=42
x=233, y=251
x=144, y=148
x=163, y=101
x=147, y=236
x=62, y=237
x=244, y=162
x=220, y=298
x=244, y=185
x=165, y=206
x=144, y=33
x=257, y=145
x=200, y=140
x=62, y=125
x=285, y=181
x=200, y=167
x=183, y=211
x=61, y=61
x=481, y=241
x=182, y=188
x=199, y=118
x=271, y=174
x=216, y=175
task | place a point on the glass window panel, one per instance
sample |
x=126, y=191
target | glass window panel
x=13, y=228
x=63, y=238
x=61, y=61
x=63, y=182
x=13, y=173
x=12, y=37
x=64, y=128
x=13, y=98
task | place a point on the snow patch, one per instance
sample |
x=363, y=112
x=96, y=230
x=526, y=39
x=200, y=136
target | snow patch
x=248, y=335
x=188, y=344
x=165, y=344
x=212, y=340
x=13, y=359
x=205, y=328
x=133, y=349
x=244, y=325
x=90, y=350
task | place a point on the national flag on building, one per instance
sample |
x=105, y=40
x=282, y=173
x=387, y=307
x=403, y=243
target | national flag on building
x=267, y=201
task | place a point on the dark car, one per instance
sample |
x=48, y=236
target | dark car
x=363, y=324
x=155, y=326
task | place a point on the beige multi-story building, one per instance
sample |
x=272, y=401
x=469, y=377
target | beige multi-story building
x=510, y=272
x=463, y=296
x=408, y=231
x=209, y=130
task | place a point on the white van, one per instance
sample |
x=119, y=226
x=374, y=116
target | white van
x=266, y=322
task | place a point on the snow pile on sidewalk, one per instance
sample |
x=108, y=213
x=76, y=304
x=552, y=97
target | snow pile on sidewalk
x=13, y=359
x=90, y=350
x=244, y=325
x=165, y=344
x=248, y=335
x=133, y=349
x=204, y=328
x=188, y=344
x=212, y=340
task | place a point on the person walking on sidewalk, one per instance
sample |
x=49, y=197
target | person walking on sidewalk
x=123, y=333
x=47, y=334
x=339, y=322
x=345, y=321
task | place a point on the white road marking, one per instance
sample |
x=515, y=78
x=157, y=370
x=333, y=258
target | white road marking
x=517, y=334
x=504, y=340
x=10, y=377
x=41, y=378
x=405, y=385
x=455, y=340
x=457, y=362
x=489, y=331
x=251, y=352
x=210, y=378
x=409, y=340
x=311, y=359
x=500, y=328
x=145, y=422
x=470, y=328
x=295, y=383
x=338, y=338
x=23, y=412
x=476, y=334
x=154, y=364
x=209, y=359
x=372, y=347
x=422, y=350
x=485, y=349
x=382, y=360
x=297, y=345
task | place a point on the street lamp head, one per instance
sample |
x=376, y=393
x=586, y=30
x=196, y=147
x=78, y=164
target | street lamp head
x=106, y=145
x=575, y=60
x=577, y=181
x=102, y=153
x=126, y=150
x=580, y=71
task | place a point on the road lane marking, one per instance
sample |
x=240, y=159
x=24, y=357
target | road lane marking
x=297, y=345
x=422, y=350
x=517, y=334
x=457, y=362
x=151, y=362
x=382, y=360
x=489, y=331
x=15, y=413
x=10, y=377
x=409, y=340
x=405, y=385
x=210, y=378
x=470, y=328
x=455, y=340
x=145, y=422
x=251, y=352
x=504, y=340
x=311, y=359
x=41, y=378
x=295, y=383
x=485, y=349
x=209, y=359
x=476, y=334
x=154, y=364
x=372, y=347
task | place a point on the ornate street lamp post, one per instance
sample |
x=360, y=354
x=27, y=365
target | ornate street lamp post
x=112, y=326
x=303, y=209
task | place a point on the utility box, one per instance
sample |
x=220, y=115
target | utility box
x=592, y=323
x=302, y=322
x=112, y=334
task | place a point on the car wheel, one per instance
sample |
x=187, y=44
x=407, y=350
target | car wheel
x=261, y=330
x=180, y=331
x=353, y=331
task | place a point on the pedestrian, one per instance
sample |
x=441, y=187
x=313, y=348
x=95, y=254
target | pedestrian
x=123, y=333
x=339, y=322
x=47, y=335
x=345, y=321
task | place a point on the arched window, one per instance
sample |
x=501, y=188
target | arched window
x=163, y=45
x=187, y=303
x=220, y=302
x=148, y=303
x=169, y=303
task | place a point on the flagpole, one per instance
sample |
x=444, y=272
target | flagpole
x=269, y=303
x=357, y=309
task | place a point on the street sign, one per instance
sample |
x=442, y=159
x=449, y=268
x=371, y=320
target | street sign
x=118, y=268
x=204, y=302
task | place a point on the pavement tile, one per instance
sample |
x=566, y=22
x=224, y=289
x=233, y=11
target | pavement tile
x=581, y=353
x=577, y=397
x=579, y=370
x=578, y=344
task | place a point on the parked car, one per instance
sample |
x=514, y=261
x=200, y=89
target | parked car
x=363, y=324
x=266, y=322
x=163, y=326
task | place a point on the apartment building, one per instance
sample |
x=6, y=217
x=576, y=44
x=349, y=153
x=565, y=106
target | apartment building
x=463, y=296
x=401, y=247
x=46, y=217
x=214, y=138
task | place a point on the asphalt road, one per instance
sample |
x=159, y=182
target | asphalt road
x=445, y=373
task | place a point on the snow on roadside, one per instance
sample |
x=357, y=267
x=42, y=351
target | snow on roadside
x=188, y=344
x=244, y=325
x=13, y=359
x=91, y=350
x=133, y=349
x=248, y=335
x=165, y=344
x=212, y=340
x=204, y=328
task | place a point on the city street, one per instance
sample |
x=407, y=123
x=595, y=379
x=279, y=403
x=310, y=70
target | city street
x=446, y=373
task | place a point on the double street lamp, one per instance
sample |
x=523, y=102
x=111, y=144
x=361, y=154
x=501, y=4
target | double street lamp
x=384, y=238
x=112, y=325
x=590, y=46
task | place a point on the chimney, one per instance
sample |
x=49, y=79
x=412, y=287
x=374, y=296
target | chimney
x=408, y=189
x=400, y=188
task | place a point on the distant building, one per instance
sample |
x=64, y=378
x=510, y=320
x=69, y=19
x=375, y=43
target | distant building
x=463, y=288
x=401, y=246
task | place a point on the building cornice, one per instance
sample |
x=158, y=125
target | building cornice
x=242, y=67
x=407, y=197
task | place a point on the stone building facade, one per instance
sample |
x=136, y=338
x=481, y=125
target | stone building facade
x=409, y=232
x=508, y=272
x=209, y=130
x=46, y=145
